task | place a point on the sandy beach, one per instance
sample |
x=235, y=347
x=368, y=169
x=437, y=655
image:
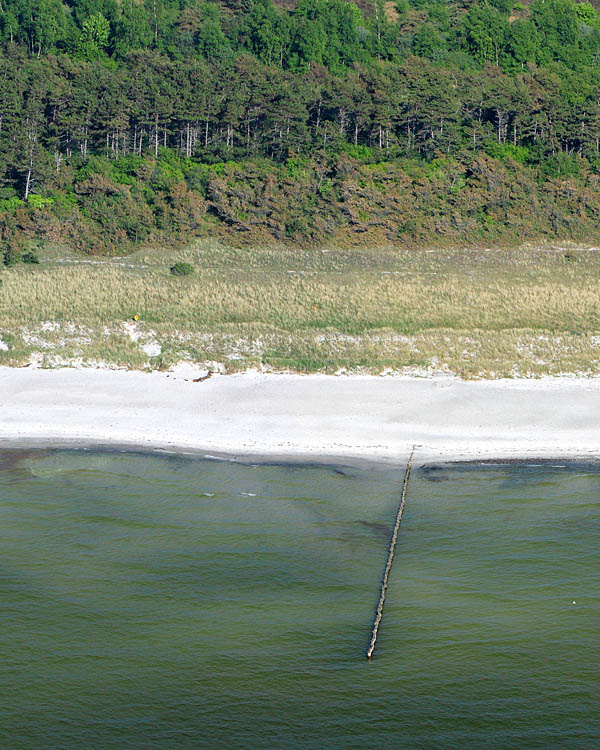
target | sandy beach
x=374, y=418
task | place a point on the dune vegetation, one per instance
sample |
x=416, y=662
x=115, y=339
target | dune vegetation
x=477, y=313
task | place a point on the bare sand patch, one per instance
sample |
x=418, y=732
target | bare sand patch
x=316, y=415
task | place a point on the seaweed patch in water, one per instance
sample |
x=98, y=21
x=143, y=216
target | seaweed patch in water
x=11, y=462
x=379, y=529
x=430, y=473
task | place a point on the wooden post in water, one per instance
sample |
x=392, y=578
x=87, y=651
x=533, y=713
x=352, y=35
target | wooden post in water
x=390, y=559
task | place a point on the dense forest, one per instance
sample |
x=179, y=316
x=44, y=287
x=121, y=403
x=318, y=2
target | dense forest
x=138, y=121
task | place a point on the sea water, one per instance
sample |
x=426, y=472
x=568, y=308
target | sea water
x=181, y=603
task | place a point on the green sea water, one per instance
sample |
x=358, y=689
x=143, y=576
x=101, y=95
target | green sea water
x=171, y=602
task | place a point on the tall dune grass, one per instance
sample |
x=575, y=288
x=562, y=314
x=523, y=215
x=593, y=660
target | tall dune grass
x=477, y=313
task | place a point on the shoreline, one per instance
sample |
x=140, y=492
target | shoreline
x=426, y=462
x=314, y=418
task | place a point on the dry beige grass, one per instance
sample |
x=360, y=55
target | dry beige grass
x=484, y=313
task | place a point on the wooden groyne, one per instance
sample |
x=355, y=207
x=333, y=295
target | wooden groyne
x=390, y=560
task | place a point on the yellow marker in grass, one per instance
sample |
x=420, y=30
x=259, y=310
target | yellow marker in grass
x=136, y=317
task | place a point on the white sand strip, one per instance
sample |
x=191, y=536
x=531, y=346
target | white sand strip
x=361, y=417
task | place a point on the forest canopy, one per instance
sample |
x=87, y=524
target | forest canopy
x=127, y=122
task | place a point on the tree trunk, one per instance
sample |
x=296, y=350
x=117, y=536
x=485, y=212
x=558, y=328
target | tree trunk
x=29, y=180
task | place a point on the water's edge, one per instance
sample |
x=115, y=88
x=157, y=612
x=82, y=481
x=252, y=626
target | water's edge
x=427, y=458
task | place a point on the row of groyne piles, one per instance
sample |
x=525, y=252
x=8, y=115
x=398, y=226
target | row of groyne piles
x=390, y=560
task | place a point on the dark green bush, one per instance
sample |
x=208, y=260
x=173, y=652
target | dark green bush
x=182, y=269
x=11, y=257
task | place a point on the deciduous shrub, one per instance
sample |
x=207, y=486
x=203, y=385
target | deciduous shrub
x=12, y=252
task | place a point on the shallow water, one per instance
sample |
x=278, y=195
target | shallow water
x=177, y=603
